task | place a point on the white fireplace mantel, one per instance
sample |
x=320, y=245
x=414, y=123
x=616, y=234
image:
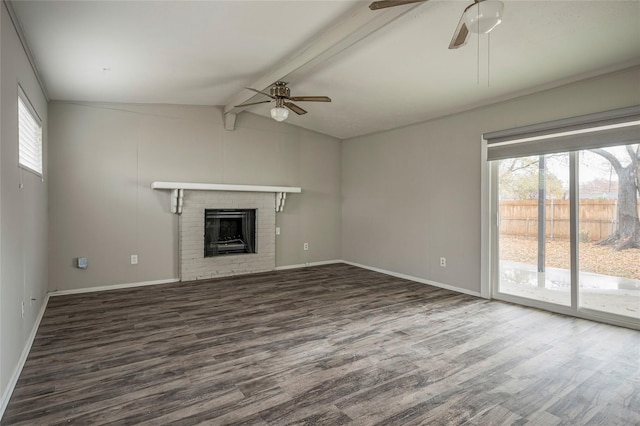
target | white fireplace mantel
x=177, y=191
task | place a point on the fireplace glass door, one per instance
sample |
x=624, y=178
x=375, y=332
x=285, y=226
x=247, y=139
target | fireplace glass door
x=229, y=232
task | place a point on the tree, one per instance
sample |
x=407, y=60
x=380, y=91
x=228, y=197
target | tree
x=519, y=180
x=627, y=234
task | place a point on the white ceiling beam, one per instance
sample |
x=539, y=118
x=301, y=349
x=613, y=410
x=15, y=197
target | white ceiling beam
x=230, y=121
x=356, y=25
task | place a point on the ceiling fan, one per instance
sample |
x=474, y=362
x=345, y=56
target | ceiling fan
x=479, y=17
x=282, y=95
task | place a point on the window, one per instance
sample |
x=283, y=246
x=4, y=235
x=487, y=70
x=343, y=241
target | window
x=29, y=135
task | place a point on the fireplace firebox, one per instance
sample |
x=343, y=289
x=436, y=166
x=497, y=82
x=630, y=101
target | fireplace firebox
x=229, y=231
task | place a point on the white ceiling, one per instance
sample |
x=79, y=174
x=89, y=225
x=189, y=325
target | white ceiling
x=206, y=52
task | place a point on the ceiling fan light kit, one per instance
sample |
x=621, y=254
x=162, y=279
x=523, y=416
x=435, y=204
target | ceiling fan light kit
x=279, y=113
x=479, y=17
x=483, y=16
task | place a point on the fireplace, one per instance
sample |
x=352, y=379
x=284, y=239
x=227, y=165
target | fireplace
x=191, y=233
x=191, y=200
x=229, y=231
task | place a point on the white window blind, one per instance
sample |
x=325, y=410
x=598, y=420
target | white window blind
x=29, y=136
x=608, y=128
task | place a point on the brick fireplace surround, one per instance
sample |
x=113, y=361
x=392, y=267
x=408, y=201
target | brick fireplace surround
x=193, y=264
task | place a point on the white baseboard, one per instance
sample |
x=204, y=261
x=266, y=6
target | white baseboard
x=416, y=279
x=6, y=396
x=112, y=287
x=304, y=265
x=383, y=271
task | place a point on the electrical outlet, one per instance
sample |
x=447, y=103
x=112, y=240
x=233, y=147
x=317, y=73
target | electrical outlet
x=306, y=246
x=134, y=259
x=82, y=263
x=22, y=314
x=443, y=262
x=277, y=230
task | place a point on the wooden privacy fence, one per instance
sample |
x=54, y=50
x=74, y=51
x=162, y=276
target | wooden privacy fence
x=597, y=218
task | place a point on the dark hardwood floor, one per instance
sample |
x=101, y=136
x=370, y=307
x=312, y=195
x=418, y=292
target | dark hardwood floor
x=322, y=345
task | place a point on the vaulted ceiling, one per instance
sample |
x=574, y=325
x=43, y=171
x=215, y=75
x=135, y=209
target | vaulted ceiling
x=383, y=69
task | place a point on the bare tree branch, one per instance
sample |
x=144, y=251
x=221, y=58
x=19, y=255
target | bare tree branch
x=513, y=168
x=635, y=161
x=610, y=157
x=635, y=156
x=631, y=153
x=523, y=166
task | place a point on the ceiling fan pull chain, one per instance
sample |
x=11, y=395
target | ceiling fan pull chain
x=489, y=60
x=478, y=61
x=477, y=5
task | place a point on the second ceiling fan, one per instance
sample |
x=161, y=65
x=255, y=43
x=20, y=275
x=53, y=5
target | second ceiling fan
x=480, y=17
x=282, y=95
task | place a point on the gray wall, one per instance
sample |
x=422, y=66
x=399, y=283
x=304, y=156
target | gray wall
x=105, y=156
x=412, y=195
x=23, y=212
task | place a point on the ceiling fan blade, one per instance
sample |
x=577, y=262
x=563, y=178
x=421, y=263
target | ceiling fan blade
x=311, y=98
x=262, y=93
x=461, y=35
x=295, y=108
x=391, y=3
x=251, y=103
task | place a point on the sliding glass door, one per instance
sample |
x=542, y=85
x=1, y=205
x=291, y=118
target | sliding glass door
x=609, y=231
x=533, y=228
x=565, y=229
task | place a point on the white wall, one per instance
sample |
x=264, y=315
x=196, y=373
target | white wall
x=23, y=212
x=412, y=195
x=105, y=156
